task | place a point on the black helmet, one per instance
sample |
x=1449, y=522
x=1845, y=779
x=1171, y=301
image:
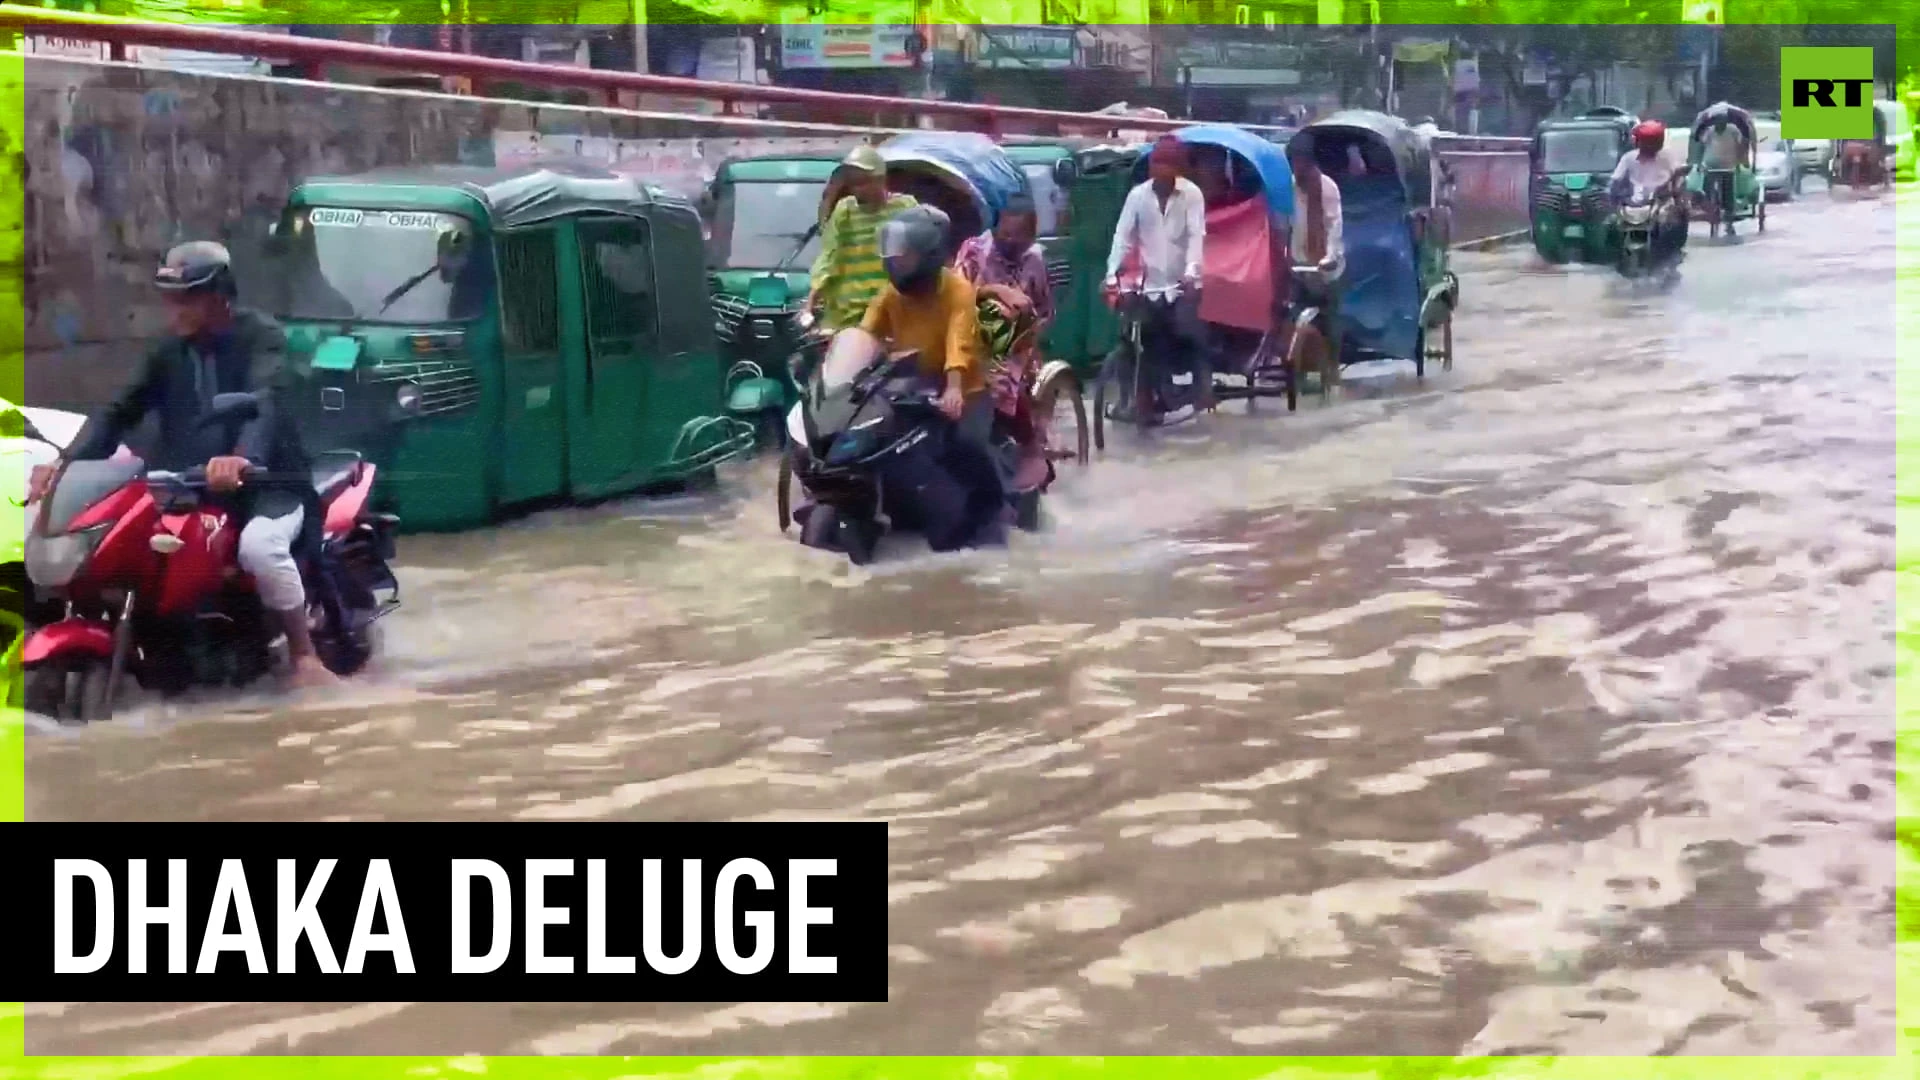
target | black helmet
x=196, y=266
x=913, y=245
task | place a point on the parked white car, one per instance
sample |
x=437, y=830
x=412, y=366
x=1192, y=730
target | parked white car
x=1774, y=166
x=1813, y=155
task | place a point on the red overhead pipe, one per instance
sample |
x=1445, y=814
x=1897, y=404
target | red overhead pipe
x=309, y=53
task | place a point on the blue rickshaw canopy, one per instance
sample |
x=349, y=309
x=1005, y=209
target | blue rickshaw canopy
x=1267, y=158
x=976, y=161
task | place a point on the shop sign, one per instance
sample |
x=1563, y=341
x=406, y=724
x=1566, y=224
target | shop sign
x=847, y=45
x=1237, y=63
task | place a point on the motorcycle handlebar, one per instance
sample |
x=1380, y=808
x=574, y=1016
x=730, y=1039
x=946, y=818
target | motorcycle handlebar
x=197, y=476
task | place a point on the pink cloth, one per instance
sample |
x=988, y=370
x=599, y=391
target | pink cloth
x=1236, y=270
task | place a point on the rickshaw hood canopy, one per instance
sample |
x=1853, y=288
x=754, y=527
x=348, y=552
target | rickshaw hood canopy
x=1734, y=114
x=974, y=160
x=1267, y=159
x=1412, y=152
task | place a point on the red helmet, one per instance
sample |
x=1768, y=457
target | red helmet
x=1650, y=135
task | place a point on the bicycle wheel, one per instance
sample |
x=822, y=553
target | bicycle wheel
x=1046, y=409
x=1107, y=388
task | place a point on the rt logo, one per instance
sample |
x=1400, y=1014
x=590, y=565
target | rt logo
x=1826, y=93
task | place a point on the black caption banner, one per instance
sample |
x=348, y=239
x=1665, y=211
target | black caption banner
x=451, y=912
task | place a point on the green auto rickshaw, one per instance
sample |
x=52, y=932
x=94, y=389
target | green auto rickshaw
x=1572, y=160
x=501, y=339
x=1085, y=329
x=764, y=217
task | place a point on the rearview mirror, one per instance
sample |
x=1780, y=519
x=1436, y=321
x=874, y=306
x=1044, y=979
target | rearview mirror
x=1065, y=172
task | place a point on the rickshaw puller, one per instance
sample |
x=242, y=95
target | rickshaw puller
x=1164, y=222
x=1723, y=151
x=1317, y=236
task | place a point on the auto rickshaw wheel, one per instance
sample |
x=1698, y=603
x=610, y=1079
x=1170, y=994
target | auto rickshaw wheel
x=1760, y=213
x=1046, y=406
x=1445, y=353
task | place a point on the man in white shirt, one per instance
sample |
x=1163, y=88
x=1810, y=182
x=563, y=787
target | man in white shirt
x=1723, y=149
x=1164, y=224
x=1318, y=240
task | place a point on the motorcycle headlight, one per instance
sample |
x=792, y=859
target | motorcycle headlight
x=52, y=561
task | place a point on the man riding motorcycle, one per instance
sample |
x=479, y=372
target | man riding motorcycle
x=930, y=308
x=1642, y=173
x=216, y=347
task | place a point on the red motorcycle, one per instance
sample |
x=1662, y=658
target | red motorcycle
x=151, y=586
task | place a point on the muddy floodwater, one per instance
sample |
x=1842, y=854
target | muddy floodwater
x=1546, y=707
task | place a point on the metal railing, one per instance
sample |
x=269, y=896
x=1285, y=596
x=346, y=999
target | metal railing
x=313, y=55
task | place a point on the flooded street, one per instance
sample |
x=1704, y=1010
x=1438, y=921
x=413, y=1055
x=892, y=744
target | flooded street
x=1543, y=708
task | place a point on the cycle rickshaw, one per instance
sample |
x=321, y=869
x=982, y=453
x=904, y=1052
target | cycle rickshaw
x=1398, y=292
x=1725, y=196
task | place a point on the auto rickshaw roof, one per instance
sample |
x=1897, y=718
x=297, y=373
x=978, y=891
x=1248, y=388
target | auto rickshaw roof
x=775, y=167
x=1576, y=123
x=1101, y=158
x=540, y=191
x=1040, y=151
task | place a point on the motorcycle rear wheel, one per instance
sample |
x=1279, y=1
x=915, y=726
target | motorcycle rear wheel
x=341, y=650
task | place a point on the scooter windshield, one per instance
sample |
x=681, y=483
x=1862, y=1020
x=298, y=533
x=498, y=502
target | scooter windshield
x=83, y=484
x=852, y=351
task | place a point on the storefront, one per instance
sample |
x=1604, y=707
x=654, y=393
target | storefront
x=1231, y=80
x=1045, y=67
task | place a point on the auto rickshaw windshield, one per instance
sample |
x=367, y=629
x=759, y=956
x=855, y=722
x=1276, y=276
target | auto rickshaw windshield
x=381, y=266
x=757, y=223
x=1579, y=150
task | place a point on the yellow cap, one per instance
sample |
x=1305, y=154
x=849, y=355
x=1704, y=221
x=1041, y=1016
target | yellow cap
x=866, y=159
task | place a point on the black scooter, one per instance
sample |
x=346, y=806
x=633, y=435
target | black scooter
x=874, y=454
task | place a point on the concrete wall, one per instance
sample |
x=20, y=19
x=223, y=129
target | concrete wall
x=121, y=162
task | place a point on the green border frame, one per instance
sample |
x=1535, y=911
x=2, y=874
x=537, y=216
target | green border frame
x=14, y=1063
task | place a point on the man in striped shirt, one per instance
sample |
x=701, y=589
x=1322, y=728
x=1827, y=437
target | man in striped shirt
x=848, y=273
